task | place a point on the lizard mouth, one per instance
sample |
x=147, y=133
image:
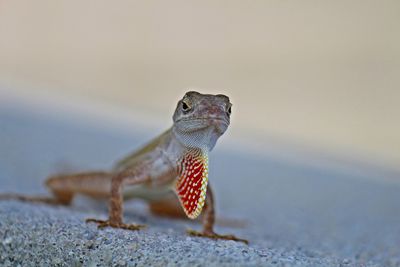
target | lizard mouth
x=199, y=124
x=207, y=121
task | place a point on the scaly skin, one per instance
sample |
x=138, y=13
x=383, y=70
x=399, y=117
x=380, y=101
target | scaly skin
x=176, y=161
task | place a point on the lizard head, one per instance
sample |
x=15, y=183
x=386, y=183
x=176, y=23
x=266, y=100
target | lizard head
x=200, y=119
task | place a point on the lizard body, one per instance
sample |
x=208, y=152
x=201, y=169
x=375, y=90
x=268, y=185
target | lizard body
x=176, y=161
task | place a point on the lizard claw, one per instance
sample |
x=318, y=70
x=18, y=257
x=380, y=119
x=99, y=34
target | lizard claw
x=108, y=223
x=216, y=236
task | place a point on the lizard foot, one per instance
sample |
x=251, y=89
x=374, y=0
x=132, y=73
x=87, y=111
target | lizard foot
x=216, y=236
x=108, y=223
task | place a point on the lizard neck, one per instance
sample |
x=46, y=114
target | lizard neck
x=204, y=139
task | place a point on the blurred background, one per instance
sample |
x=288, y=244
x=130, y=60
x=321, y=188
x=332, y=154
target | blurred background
x=311, y=81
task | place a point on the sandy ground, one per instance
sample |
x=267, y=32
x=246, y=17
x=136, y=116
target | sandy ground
x=293, y=215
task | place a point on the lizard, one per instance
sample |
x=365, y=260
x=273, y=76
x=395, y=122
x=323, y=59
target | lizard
x=174, y=162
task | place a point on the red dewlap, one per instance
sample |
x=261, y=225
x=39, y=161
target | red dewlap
x=190, y=183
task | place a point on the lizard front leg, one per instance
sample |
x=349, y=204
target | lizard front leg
x=208, y=221
x=130, y=177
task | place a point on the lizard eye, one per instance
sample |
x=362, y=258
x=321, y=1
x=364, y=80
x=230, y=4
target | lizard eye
x=229, y=110
x=185, y=106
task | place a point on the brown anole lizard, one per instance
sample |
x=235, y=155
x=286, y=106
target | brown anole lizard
x=176, y=161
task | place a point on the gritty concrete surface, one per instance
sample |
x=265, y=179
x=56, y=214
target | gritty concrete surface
x=44, y=236
x=293, y=214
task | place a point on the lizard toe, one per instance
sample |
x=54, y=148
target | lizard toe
x=213, y=235
x=108, y=223
x=132, y=227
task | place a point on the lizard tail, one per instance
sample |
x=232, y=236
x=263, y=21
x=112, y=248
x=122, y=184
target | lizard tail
x=64, y=187
x=95, y=184
x=36, y=199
